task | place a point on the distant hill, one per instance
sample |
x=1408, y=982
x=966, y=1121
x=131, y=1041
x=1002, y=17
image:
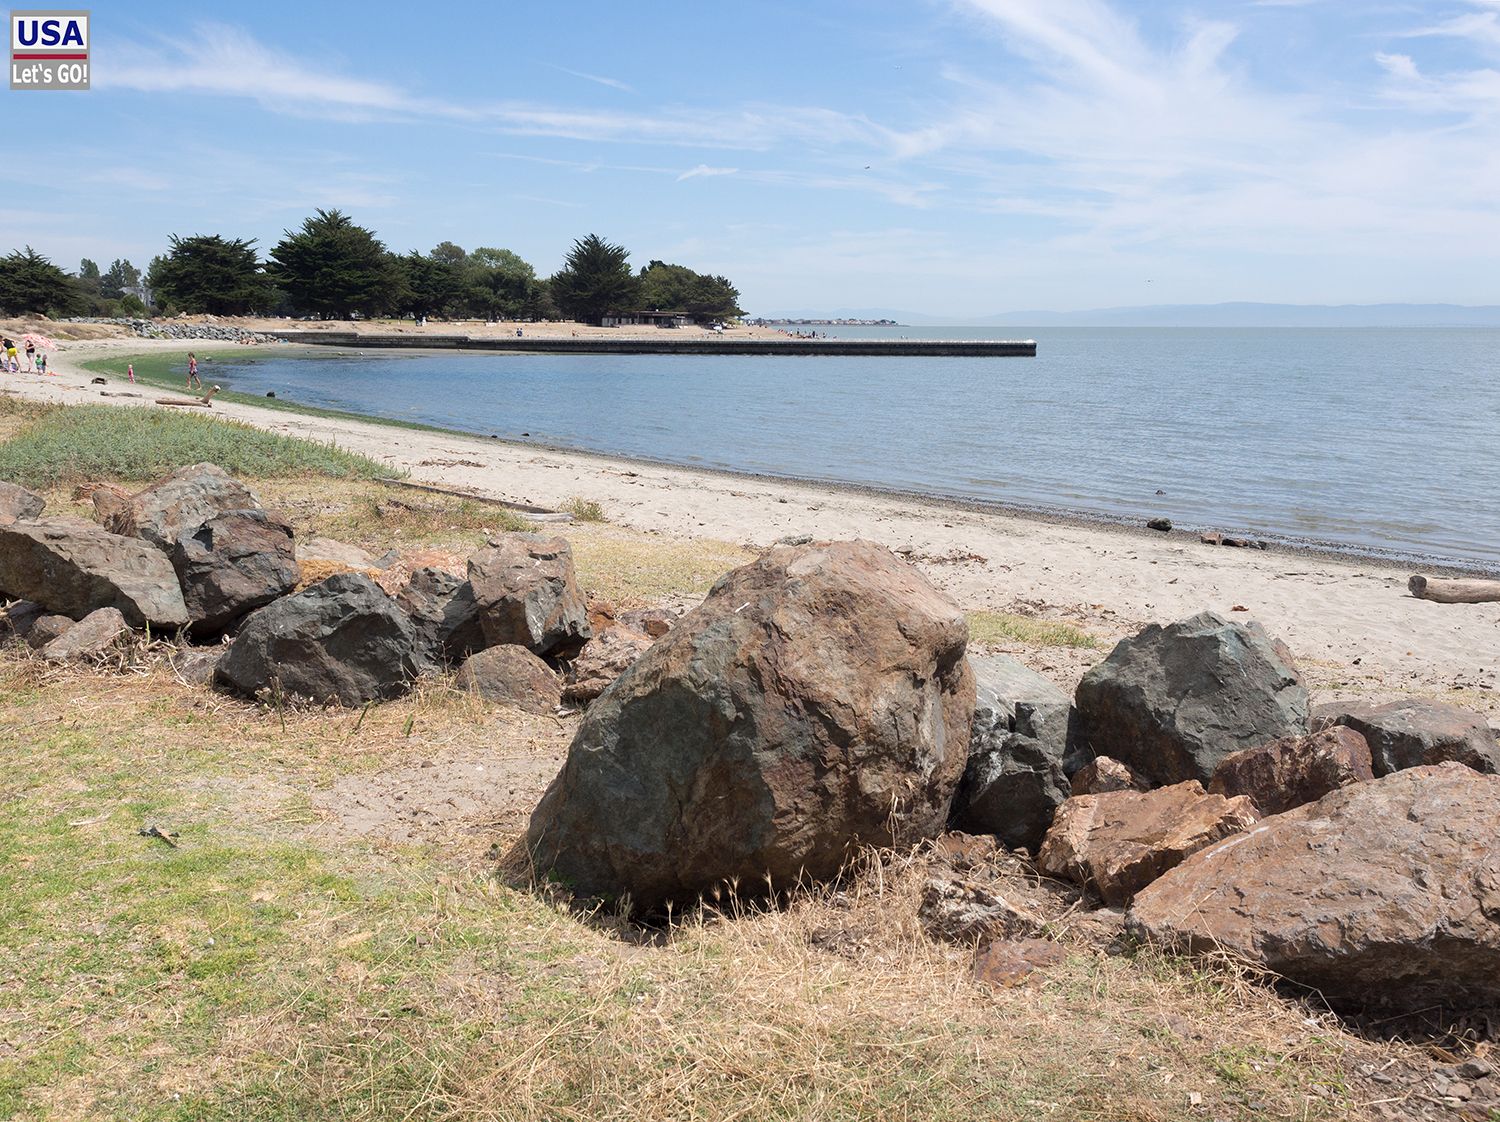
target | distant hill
x=911, y=319
x=1262, y=315
x=1193, y=315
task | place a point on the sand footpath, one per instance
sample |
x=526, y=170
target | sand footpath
x=1353, y=620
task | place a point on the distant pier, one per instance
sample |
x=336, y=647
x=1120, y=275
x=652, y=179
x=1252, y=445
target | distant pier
x=596, y=345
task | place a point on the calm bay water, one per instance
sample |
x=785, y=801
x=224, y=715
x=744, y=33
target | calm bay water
x=1379, y=440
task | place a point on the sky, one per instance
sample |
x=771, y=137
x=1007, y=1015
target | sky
x=949, y=157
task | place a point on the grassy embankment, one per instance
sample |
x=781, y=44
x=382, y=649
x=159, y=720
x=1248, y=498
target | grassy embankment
x=287, y=961
x=49, y=446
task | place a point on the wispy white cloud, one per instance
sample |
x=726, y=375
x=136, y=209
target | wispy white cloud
x=613, y=83
x=703, y=171
x=225, y=61
x=1122, y=141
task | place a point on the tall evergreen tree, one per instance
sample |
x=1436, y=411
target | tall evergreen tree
x=208, y=273
x=595, y=279
x=30, y=282
x=118, y=279
x=88, y=276
x=332, y=267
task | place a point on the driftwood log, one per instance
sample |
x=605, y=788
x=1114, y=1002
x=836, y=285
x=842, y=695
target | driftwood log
x=1445, y=591
x=204, y=402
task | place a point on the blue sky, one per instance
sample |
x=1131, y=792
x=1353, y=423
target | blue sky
x=955, y=157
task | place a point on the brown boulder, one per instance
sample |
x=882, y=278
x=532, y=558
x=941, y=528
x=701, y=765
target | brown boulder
x=179, y=503
x=1294, y=770
x=1119, y=842
x=603, y=659
x=527, y=594
x=1414, y=732
x=511, y=675
x=95, y=634
x=1105, y=773
x=816, y=702
x=1385, y=892
x=1007, y=963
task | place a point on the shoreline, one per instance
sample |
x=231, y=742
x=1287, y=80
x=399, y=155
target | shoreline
x=1351, y=620
x=1130, y=524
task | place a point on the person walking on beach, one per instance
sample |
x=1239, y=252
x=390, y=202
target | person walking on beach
x=193, y=371
x=12, y=363
x=130, y=370
x=30, y=355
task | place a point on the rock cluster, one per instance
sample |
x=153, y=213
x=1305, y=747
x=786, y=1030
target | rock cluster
x=195, y=552
x=821, y=700
x=167, y=329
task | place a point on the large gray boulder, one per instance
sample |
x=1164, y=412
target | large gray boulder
x=528, y=595
x=1172, y=702
x=179, y=503
x=1014, y=781
x=816, y=702
x=1413, y=732
x=1381, y=892
x=73, y=568
x=444, y=614
x=17, y=504
x=340, y=640
x=231, y=565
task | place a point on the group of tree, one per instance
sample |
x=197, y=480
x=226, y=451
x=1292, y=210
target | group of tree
x=332, y=268
x=30, y=282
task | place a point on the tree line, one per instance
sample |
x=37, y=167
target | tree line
x=332, y=268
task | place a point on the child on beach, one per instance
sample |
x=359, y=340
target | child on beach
x=130, y=369
x=193, y=371
x=41, y=363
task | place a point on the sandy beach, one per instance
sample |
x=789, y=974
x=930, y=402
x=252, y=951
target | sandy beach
x=1352, y=624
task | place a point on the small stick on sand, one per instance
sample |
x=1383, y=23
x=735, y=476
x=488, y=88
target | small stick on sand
x=1443, y=591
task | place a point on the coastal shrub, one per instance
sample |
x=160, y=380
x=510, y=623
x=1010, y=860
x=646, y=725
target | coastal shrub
x=584, y=510
x=75, y=443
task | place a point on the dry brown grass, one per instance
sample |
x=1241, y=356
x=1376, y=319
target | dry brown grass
x=280, y=965
x=382, y=978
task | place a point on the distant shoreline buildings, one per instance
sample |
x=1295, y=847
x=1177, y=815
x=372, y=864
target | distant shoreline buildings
x=761, y=322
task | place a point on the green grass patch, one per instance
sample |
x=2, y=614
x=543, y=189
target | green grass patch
x=168, y=371
x=1006, y=627
x=71, y=444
